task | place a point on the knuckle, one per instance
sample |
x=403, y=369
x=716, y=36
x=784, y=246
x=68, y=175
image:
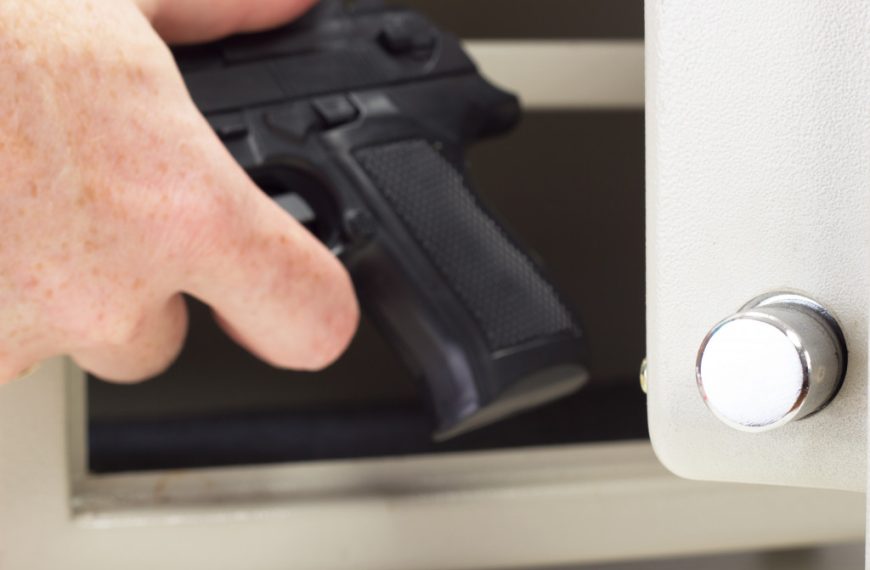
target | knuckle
x=203, y=225
x=181, y=203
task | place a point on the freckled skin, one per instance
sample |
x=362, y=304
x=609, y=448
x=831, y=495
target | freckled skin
x=116, y=197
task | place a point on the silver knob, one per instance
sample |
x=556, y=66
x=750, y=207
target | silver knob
x=782, y=357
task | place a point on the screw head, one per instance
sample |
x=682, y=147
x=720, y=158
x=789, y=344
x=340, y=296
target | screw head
x=643, y=377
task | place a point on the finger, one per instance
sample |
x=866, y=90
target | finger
x=187, y=21
x=276, y=289
x=149, y=348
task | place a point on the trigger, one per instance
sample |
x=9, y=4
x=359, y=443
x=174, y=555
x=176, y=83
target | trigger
x=297, y=207
x=305, y=196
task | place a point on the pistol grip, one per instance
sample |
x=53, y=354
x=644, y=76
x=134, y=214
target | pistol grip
x=470, y=309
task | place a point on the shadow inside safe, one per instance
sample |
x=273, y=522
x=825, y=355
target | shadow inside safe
x=572, y=191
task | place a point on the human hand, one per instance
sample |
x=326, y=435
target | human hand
x=116, y=196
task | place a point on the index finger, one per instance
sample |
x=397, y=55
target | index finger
x=274, y=287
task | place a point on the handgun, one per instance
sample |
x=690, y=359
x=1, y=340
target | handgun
x=356, y=119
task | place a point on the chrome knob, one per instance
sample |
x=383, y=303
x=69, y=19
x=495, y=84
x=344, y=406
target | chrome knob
x=782, y=357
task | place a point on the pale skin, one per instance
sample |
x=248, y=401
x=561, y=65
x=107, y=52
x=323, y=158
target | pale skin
x=116, y=197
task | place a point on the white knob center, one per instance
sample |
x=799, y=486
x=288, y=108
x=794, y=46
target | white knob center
x=752, y=373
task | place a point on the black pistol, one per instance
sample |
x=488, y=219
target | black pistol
x=355, y=119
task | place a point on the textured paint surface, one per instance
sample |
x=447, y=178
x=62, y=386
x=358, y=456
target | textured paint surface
x=758, y=173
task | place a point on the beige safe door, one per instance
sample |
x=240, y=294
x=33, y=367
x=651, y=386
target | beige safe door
x=759, y=134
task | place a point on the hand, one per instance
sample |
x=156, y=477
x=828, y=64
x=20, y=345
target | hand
x=116, y=196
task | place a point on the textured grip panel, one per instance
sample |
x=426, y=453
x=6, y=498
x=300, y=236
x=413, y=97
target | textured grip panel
x=498, y=284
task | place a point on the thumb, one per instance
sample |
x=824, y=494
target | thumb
x=190, y=21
